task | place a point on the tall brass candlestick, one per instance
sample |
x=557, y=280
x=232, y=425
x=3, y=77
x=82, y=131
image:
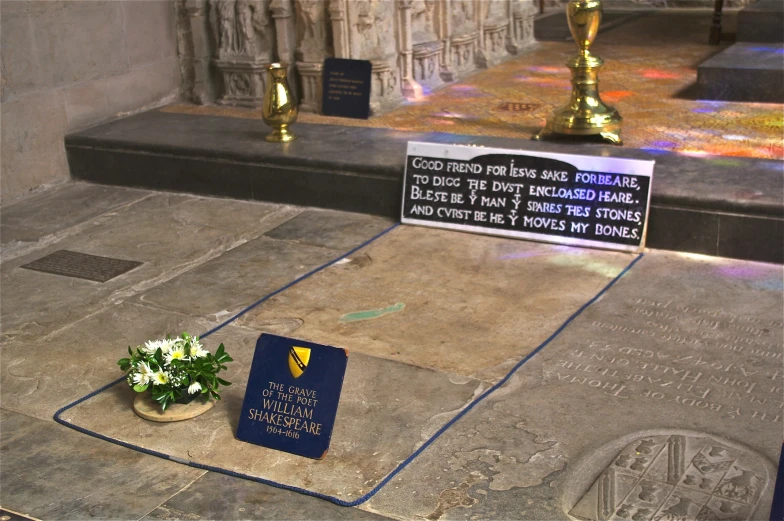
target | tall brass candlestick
x=586, y=114
x=279, y=109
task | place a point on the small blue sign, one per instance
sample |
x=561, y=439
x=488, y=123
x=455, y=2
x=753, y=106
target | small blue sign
x=346, y=88
x=292, y=395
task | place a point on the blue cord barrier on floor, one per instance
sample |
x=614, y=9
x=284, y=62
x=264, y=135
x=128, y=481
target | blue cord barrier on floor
x=404, y=463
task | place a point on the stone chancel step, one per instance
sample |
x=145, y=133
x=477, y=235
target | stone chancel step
x=744, y=72
x=762, y=21
x=698, y=204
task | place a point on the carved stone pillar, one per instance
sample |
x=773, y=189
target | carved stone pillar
x=511, y=42
x=244, y=38
x=445, y=34
x=283, y=14
x=385, y=91
x=338, y=14
x=194, y=42
x=495, y=26
x=522, y=18
x=464, y=41
x=410, y=88
x=481, y=53
x=374, y=37
x=313, y=46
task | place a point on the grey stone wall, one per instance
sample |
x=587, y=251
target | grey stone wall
x=70, y=64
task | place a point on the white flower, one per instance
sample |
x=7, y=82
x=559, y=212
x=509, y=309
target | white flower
x=178, y=353
x=151, y=346
x=143, y=374
x=160, y=378
x=194, y=388
x=197, y=350
x=167, y=345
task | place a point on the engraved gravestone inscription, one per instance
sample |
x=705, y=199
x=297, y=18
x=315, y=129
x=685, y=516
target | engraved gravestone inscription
x=727, y=364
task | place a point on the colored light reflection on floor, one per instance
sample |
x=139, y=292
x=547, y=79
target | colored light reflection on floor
x=615, y=95
x=756, y=276
x=658, y=74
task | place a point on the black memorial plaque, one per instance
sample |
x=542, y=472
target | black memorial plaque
x=346, y=89
x=563, y=198
x=82, y=265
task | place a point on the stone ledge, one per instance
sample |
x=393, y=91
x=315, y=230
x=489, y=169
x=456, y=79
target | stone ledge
x=744, y=72
x=361, y=170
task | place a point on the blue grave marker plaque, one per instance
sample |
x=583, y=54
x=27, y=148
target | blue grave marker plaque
x=292, y=395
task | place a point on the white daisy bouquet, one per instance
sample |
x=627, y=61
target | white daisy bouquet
x=175, y=370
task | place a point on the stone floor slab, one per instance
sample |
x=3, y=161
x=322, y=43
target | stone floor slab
x=54, y=211
x=448, y=301
x=237, y=278
x=217, y=496
x=378, y=425
x=169, y=234
x=337, y=230
x=673, y=381
x=38, y=377
x=51, y=472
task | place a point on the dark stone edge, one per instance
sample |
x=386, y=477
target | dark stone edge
x=256, y=181
x=704, y=230
x=241, y=186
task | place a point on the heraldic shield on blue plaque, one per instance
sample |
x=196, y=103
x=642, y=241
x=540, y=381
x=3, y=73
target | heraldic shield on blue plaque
x=292, y=395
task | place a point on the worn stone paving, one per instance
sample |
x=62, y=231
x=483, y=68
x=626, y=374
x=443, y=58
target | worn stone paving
x=454, y=294
x=681, y=349
x=667, y=391
x=460, y=303
x=169, y=233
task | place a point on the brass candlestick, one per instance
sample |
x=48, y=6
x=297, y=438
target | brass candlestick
x=279, y=109
x=586, y=114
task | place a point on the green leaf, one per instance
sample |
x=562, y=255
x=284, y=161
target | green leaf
x=139, y=388
x=162, y=398
x=223, y=382
x=219, y=351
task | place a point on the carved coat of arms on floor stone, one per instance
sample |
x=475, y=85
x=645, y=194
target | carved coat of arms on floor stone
x=676, y=478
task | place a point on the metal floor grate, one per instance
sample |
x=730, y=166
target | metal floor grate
x=82, y=265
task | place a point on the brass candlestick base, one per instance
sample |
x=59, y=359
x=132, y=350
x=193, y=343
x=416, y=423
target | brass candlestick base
x=279, y=109
x=586, y=114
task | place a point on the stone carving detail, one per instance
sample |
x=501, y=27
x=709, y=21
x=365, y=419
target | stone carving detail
x=314, y=37
x=373, y=26
x=494, y=10
x=423, y=21
x=240, y=26
x=313, y=31
x=463, y=16
x=677, y=477
x=414, y=46
x=243, y=37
